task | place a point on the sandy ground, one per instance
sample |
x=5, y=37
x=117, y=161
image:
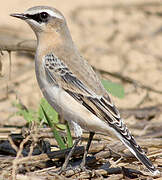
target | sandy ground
x=116, y=36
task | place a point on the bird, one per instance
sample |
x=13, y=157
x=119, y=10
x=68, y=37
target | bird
x=71, y=86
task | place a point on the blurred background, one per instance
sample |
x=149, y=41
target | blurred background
x=121, y=38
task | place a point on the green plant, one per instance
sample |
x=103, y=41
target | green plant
x=113, y=88
x=50, y=116
x=46, y=114
x=28, y=114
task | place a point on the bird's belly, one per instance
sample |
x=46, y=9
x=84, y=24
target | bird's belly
x=71, y=110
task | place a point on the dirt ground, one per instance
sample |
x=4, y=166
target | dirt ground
x=122, y=37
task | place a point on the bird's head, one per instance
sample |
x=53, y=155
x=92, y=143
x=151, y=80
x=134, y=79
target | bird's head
x=43, y=19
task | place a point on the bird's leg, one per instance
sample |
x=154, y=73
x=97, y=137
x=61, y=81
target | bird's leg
x=64, y=166
x=86, y=150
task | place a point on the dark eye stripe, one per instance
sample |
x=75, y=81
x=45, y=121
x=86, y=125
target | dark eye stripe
x=36, y=17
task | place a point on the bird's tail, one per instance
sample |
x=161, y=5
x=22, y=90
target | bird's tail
x=139, y=154
x=111, y=115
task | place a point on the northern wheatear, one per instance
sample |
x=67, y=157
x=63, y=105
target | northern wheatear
x=69, y=83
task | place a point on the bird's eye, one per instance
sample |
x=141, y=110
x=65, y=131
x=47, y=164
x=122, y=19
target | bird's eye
x=44, y=16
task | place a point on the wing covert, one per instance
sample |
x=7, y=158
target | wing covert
x=58, y=71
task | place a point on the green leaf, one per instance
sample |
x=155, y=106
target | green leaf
x=113, y=88
x=51, y=113
x=18, y=105
x=61, y=126
x=28, y=114
x=69, y=136
x=55, y=132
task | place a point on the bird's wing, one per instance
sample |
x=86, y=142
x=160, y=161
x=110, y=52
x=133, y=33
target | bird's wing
x=101, y=106
x=58, y=73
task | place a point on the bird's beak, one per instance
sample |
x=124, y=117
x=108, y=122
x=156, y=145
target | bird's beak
x=21, y=16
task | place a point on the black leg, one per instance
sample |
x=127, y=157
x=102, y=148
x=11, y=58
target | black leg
x=86, y=150
x=64, y=166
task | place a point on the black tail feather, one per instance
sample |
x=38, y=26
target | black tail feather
x=140, y=155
